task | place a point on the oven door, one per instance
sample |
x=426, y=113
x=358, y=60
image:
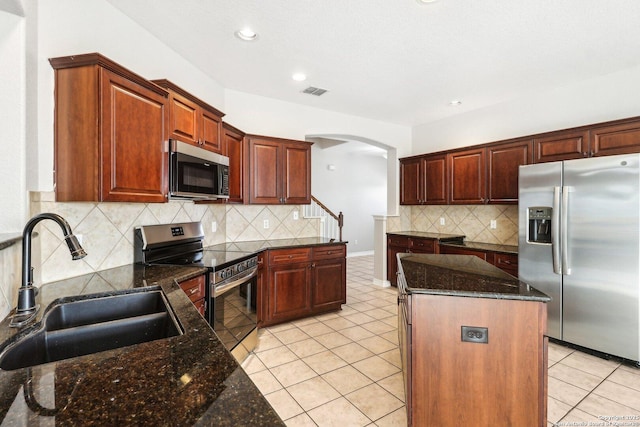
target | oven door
x=233, y=313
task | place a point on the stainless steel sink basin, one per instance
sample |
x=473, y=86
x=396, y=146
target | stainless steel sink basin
x=92, y=325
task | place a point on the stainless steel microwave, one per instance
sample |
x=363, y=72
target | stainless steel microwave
x=197, y=174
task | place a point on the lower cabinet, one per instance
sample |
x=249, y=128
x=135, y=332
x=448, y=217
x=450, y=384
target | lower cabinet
x=301, y=282
x=449, y=382
x=504, y=261
x=195, y=288
x=399, y=244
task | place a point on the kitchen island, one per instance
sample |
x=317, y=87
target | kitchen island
x=189, y=379
x=472, y=343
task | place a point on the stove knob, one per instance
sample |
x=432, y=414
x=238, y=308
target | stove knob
x=242, y=267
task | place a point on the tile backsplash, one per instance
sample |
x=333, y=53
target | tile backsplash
x=106, y=229
x=471, y=220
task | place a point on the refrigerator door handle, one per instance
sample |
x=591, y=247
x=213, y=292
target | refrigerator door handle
x=555, y=233
x=566, y=265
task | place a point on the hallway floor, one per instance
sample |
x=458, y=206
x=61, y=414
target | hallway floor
x=344, y=368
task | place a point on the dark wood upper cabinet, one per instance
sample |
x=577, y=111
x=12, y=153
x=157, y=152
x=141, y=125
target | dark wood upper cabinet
x=423, y=180
x=561, y=146
x=622, y=138
x=467, y=183
x=109, y=133
x=280, y=171
x=233, y=139
x=503, y=163
x=192, y=120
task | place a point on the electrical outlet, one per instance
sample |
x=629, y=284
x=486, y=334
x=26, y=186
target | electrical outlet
x=295, y=215
x=265, y=224
x=493, y=224
x=355, y=242
x=441, y=221
x=214, y=226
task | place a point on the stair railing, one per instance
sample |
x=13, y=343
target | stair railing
x=331, y=223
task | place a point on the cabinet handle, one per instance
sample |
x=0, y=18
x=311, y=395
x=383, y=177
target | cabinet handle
x=505, y=261
x=193, y=291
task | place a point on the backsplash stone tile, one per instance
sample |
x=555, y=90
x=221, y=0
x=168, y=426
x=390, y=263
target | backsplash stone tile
x=471, y=220
x=10, y=277
x=107, y=230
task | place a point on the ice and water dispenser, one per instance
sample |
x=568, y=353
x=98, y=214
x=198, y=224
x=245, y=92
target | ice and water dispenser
x=540, y=224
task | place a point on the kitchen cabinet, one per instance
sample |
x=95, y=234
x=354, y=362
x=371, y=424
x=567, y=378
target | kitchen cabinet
x=470, y=361
x=280, y=171
x=303, y=281
x=192, y=120
x=507, y=262
x=423, y=180
x=467, y=177
x=503, y=162
x=617, y=138
x=233, y=139
x=195, y=288
x=109, y=133
x=408, y=244
x=566, y=145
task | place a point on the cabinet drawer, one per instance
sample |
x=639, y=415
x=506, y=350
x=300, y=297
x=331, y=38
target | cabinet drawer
x=402, y=241
x=194, y=288
x=422, y=245
x=288, y=256
x=507, y=262
x=326, y=252
x=453, y=250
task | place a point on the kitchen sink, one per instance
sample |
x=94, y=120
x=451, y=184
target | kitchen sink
x=77, y=328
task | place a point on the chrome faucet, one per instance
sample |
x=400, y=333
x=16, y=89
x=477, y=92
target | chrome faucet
x=27, y=307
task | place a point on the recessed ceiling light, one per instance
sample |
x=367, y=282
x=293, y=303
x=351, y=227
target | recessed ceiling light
x=455, y=102
x=299, y=77
x=246, y=34
x=426, y=1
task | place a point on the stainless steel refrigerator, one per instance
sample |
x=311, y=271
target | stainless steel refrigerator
x=579, y=242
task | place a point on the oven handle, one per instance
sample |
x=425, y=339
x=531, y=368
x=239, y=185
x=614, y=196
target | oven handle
x=222, y=287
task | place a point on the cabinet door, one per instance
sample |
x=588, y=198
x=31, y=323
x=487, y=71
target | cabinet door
x=210, y=130
x=183, y=123
x=504, y=161
x=453, y=250
x=264, y=170
x=328, y=284
x=616, y=139
x=296, y=179
x=411, y=179
x=561, y=146
x=467, y=171
x=435, y=179
x=289, y=293
x=132, y=156
x=235, y=150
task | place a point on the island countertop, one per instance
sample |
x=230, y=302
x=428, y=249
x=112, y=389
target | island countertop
x=190, y=379
x=461, y=275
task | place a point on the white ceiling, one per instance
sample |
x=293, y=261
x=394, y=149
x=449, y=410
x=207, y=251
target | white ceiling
x=396, y=60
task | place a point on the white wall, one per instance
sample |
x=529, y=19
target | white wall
x=357, y=187
x=68, y=27
x=13, y=194
x=609, y=97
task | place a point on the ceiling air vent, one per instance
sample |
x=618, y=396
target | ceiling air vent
x=314, y=91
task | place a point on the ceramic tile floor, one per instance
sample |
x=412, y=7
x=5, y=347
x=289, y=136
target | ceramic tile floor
x=344, y=368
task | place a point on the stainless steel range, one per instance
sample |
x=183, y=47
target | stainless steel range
x=231, y=308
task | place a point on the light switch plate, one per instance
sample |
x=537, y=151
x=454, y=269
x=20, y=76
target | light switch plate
x=265, y=223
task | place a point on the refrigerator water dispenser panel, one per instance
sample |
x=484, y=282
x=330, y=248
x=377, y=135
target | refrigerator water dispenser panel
x=540, y=224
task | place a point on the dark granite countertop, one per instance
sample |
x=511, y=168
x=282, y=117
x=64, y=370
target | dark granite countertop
x=190, y=379
x=488, y=247
x=440, y=237
x=461, y=275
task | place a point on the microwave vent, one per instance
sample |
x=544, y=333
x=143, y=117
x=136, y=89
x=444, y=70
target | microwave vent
x=314, y=91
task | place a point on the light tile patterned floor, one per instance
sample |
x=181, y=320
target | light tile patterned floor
x=343, y=369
